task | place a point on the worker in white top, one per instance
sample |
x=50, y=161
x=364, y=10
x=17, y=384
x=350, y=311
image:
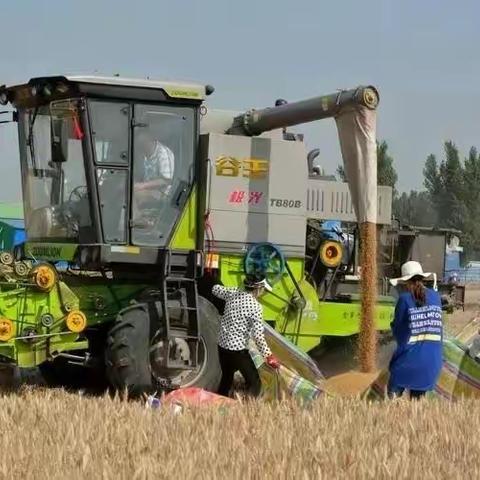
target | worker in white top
x=242, y=320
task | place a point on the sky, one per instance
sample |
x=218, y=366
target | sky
x=422, y=55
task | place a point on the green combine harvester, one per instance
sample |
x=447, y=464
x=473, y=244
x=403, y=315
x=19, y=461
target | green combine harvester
x=138, y=198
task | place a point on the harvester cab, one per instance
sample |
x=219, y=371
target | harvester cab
x=106, y=164
x=148, y=197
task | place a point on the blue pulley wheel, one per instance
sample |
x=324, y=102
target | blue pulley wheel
x=266, y=260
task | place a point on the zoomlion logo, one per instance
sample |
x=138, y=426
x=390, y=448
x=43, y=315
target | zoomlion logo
x=226, y=166
x=50, y=252
x=184, y=93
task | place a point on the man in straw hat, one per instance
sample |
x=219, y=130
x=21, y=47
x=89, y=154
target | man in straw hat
x=242, y=319
x=417, y=328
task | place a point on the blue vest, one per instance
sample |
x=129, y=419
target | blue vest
x=418, y=331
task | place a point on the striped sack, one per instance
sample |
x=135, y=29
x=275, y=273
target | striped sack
x=459, y=378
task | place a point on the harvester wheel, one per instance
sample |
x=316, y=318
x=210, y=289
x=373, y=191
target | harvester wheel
x=209, y=325
x=128, y=353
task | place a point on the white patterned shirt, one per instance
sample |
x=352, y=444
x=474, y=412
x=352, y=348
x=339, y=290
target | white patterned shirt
x=241, y=320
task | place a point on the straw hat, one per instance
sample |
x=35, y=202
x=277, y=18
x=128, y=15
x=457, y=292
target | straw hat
x=409, y=270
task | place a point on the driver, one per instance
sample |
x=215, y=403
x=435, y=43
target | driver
x=155, y=166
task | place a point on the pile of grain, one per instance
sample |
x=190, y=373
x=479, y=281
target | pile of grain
x=350, y=384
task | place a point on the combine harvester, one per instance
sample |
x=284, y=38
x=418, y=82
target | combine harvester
x=144, y=243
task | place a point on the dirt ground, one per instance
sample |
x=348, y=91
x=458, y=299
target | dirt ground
x=459, y=319
x=340, y=354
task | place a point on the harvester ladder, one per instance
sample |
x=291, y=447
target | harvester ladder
x=188, y=283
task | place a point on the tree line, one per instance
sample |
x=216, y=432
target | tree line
x=450, y=197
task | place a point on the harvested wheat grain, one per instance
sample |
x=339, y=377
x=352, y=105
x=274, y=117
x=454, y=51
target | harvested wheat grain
x=350, y=384
x=368, y=336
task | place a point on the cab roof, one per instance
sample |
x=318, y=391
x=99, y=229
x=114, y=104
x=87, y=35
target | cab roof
x=111, y=86
x=173, y=89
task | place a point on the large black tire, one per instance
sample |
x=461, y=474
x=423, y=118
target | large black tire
x=127, y=351
x=211, y=373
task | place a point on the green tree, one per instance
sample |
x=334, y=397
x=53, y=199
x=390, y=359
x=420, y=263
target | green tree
x=445, y=184
x=471, y=180
x=432, y=180
x=386, y=173
x=414, y=208
x=453, y=187
x=471, y=202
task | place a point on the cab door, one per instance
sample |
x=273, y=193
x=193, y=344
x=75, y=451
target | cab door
x=110, y=125
x=163, y=170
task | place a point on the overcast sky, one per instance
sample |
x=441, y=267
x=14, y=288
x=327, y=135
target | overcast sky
x=422, y=55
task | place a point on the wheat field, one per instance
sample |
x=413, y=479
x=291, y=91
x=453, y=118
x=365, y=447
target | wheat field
x=53, y=434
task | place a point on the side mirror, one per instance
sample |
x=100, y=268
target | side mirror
x=57, y=153
x=59, y=140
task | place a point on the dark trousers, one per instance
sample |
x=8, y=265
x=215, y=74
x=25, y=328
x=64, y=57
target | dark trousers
x=398, y=392
x=232, y=361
